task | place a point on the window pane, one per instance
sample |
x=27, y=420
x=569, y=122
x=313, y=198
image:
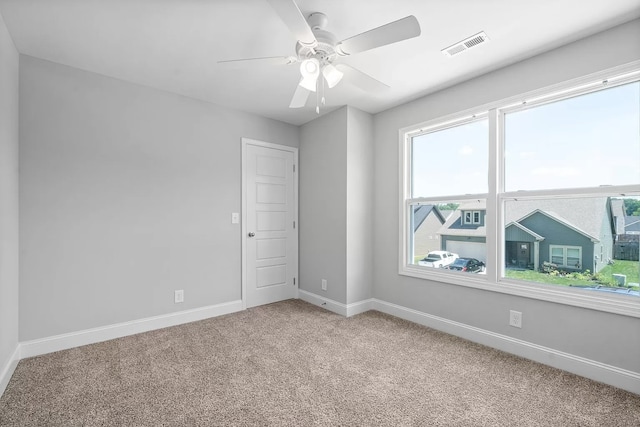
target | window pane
x=557, y=256
x=557, y=252
x=451, y=161
x=585, y=141
x=439, y=236
x=586, y=242
x=573, y=258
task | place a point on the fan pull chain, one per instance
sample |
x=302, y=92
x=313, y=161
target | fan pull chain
x=317, y=99
x=322, y=101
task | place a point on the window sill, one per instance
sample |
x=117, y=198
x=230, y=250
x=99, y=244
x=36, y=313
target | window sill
x=616, y=304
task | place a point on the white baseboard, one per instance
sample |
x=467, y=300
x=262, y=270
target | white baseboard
x=118, y=330
x=359, y=307
x=617, y=377
x=329, y=304
x=8, y=368
x=346, y=310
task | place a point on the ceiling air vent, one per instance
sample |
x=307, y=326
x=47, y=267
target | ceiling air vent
x=468, y=43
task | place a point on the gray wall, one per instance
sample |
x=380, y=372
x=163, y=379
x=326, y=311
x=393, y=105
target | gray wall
x=126, y=195
x=8, y=197
x=577, y=331
x=323, y=198
x=359, y=209
x=336, y=200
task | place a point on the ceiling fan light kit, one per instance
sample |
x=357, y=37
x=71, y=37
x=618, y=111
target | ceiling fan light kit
x=310, y=70
x=332, y=75
x=317, y=49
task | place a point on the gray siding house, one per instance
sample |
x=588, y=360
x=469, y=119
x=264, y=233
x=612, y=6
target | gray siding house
x=574, y=234
x=464, y=233
x=427, y=220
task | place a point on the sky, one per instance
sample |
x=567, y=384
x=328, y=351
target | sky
x=585, y=141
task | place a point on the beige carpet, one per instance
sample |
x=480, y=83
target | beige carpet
x=293, y=364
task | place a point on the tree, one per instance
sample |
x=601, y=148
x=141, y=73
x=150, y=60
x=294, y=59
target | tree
x=632, y=207
x=448, y=206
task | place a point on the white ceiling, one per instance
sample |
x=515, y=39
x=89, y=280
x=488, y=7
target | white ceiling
x=175, y=45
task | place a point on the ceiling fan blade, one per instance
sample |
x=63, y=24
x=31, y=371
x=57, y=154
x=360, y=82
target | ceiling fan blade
x=300, y=97
x=290, y=13
x=361, y=80
x=267, y=60
x=392, y=32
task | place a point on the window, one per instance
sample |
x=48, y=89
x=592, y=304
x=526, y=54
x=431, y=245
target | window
x=539, y=189
x=472, y=217
x=476, y=217
x=566, y=256
x=588, y=140
x=438, y=217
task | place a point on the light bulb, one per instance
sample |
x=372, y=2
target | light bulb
x=310, y=69
x=332, y=75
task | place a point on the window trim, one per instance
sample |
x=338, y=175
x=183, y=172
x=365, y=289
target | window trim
x=494, y=280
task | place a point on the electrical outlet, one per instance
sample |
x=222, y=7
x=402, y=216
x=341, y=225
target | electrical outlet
x=324, y=284
x=178, y=296
x=515, y=319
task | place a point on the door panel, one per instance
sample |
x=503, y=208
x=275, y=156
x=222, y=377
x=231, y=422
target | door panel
x=271, y=275
x=271, y=221
x=271, y=193
x=271, y=248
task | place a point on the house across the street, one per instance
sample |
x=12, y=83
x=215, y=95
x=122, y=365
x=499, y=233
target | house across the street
x=574, y=234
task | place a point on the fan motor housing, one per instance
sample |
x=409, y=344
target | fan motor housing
x=325, y=50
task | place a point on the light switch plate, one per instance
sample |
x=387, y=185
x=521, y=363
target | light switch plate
x=235, y=218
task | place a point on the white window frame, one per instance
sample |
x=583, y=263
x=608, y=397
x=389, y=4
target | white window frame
x=472, y=217
x=474, y=220
x=496, y=198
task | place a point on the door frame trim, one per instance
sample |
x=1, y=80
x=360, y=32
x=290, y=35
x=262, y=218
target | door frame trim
x=294, y=150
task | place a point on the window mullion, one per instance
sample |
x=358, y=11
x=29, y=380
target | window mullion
x=493, y=209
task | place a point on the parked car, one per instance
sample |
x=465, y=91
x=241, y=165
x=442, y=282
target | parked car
x=438, y=259
x=469, y=265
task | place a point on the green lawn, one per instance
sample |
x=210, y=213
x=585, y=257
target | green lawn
x=629, y=268
x=604, y=277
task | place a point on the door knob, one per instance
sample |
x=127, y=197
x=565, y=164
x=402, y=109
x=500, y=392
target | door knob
x=252, y=234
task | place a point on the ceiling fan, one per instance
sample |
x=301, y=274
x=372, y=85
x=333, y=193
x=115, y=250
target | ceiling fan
x=317, y=49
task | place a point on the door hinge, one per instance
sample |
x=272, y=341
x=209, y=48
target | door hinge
x=294, y=224
x=294, y=168
x=294, y=281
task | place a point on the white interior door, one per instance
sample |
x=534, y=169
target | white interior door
x=270, y=230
